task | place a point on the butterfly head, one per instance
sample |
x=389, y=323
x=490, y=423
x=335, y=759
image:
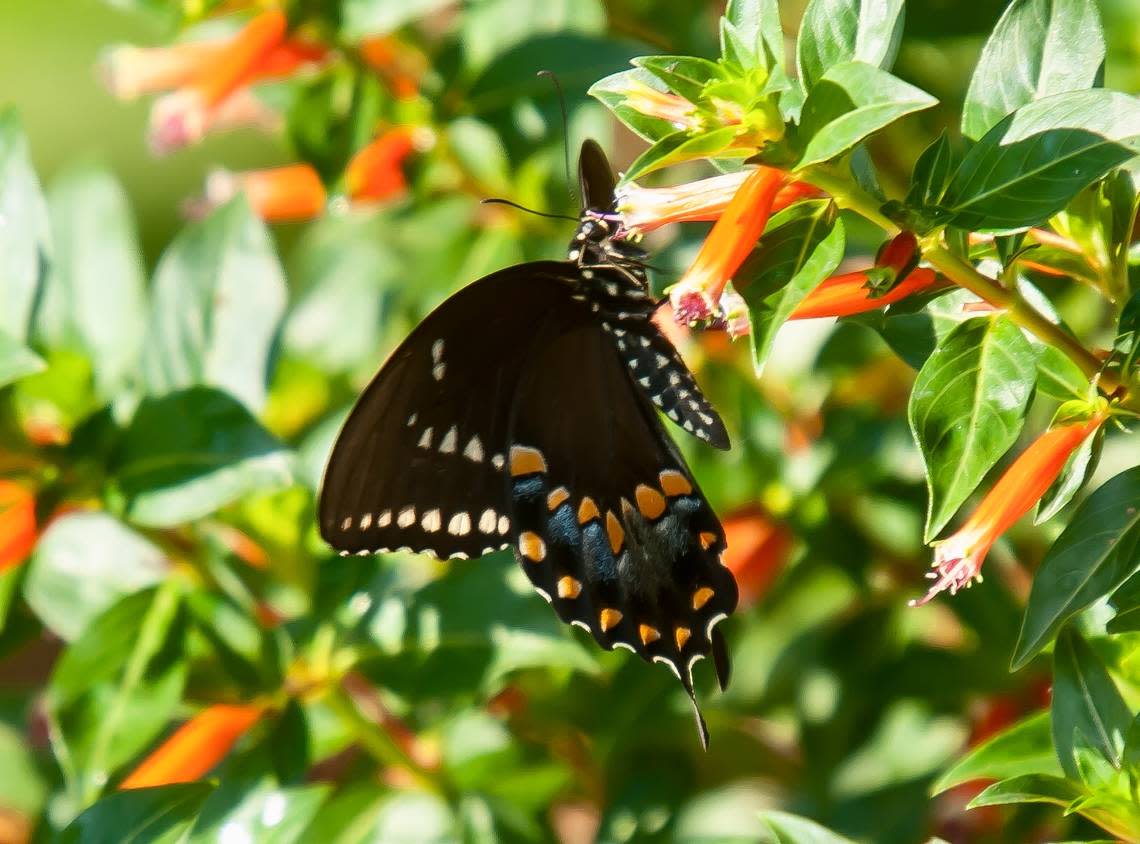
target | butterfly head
x=600, y=240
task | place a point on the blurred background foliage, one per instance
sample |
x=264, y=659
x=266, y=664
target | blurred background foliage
x=194, y=374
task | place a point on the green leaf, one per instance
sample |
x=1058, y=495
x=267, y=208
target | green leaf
x=681, y=146
x=786, y=828
x=17, y=360
x=611, y=92
x=1095, y=554
x=1058, y=377
x=1078, y=471
x=1030, y=788
x=140, y=815
x=340, y=269
x=24, y=230
x=836, y=31
x=219, y=294
x=361, y=18
x=84, y=563
x=850, y=102
x=491, y=27
x=931, y=173
x=1085, y=701
x=755, y=26
x=264, y=813
x=684, y=75
x=1038, y=48
x=801, y=246
x=1024, y=748
x=1028, y=166
x=578, y=61
x=22, y=786
x=189, y=453
x=100, y=653
x=97, y=274
x=967, y=409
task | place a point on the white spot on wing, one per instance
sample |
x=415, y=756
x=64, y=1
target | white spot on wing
x=438, y=370
x=497, y=461
x=406, y=517
x=487, y=521
x=504, y=525
x=459, y=524
x=447, y=444
x=412, y=419
x=437, y=351
x=347, y=523
x=425, y=438
x=366, y=521
x=384, y=519
x=431, y=521
x=474, y=450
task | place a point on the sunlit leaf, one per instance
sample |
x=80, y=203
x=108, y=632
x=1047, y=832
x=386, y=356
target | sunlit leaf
x=1097, y=552
x=188, y=453
x=1038, y=48
x=835, y=31
x=84, y=563
x=801, y=246
x=141, y=816
x=1028, y=166
x=1025, y=748
x=850, y=102
x=1085, y=702
x=218, y=297
x=24, y=231
x=967, y=409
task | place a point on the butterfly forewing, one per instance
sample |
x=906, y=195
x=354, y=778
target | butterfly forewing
x=420, y=462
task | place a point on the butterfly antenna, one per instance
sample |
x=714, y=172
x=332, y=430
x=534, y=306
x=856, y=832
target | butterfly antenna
x=565, y=131
x=498, y=201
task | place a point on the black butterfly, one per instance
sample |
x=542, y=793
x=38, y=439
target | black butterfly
x=521, y=413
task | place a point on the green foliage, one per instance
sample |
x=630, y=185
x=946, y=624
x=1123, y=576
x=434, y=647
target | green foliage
x=168, y=399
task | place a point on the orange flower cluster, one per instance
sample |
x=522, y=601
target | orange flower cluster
x=958, y=559
x=209, y=82
x=295, y=192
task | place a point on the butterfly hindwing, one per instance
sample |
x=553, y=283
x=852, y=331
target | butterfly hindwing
x=608, y=522
x=419, y=463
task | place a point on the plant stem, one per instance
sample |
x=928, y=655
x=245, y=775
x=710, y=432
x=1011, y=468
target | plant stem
x=849, y=195
x=379, y=744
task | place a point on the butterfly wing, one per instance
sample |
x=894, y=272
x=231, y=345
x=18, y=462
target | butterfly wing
x=419, y=462
x=609, y=524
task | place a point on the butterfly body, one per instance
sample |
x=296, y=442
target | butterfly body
x=521, y=413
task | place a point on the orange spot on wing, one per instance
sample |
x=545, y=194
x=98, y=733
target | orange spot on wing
x=650, y=502
x=674, y=483
x=609, y=618
x=613, y=529
x=526, y=461
x=587, y=510
x=568, y=587
x=701, y=597
x=708, y=539
x=532, y=547
x=555, y=499
x=648, y=634
x=681, y=635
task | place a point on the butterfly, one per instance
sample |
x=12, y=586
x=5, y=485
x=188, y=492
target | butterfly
x=523, y=412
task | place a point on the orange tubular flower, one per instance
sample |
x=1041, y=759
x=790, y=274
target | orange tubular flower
x=195, y=747
x=279, y=194
x=653, y=103
x=129, y=72
x=375, y=173
x=757, y=549
x=17, y=524
x=182, y=118
x=958, y=559
x=843, y=295
x=696, y=295
x=646, y=209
